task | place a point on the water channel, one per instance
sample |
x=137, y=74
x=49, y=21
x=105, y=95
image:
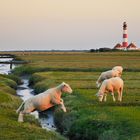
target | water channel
x=45, y=118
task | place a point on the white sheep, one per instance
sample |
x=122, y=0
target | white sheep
x=119, y=69
x=44, y=100
x=106, y=75
x=111, y=85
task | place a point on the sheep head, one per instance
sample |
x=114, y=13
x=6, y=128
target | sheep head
x=100, y=96
x=66, y=88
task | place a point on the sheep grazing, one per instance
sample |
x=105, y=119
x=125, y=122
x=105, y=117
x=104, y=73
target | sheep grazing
x=44, y=100
x=111, y=85
x=106, y=75
x=119, y=69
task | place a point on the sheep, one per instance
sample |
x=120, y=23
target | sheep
x=44, y=100
x=119, y=69
x=111, y=85
x=106, y=75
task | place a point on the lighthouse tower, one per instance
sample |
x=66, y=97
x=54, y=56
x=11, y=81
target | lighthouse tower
x=125, y=36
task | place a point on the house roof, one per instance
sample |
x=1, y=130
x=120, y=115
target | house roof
x=117, y=46
x=131, y=45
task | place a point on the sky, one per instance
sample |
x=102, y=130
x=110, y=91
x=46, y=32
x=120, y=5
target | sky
x=67, y=24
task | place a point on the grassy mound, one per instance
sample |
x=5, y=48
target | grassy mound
x=9, y=127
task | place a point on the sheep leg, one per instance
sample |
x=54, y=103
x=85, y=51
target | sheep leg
x=20, y=117
x=98, y=84
x=105, y=97
x=21, y=114
x=121, y=97
x=99, y=81
x=113, y=96
x=63, y=106
x=120, y=94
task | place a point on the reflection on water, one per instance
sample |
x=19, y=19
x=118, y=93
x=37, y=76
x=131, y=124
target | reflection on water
x=49, y=122
x=5, y=68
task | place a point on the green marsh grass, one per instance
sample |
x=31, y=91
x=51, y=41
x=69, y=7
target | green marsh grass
x=86, y=118
x=81, y=61
x=9, y=127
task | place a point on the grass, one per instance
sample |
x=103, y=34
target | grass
x=79, y=61
x=86, y=118
x=9, y=127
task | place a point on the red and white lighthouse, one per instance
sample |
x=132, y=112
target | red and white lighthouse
x=125, y=36
x=124, y=45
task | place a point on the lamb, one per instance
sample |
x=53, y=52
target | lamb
x=43, y=101
x=111, y=85
x=119, y=69
x=106, y=75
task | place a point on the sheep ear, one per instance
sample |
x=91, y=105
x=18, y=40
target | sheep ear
x=63, y=83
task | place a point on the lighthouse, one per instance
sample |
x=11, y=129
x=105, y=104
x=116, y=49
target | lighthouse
x=125, y=36
x=124, y=45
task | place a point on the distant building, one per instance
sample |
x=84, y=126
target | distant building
x=124, y=45
x=131, y=46
x=118, y=46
